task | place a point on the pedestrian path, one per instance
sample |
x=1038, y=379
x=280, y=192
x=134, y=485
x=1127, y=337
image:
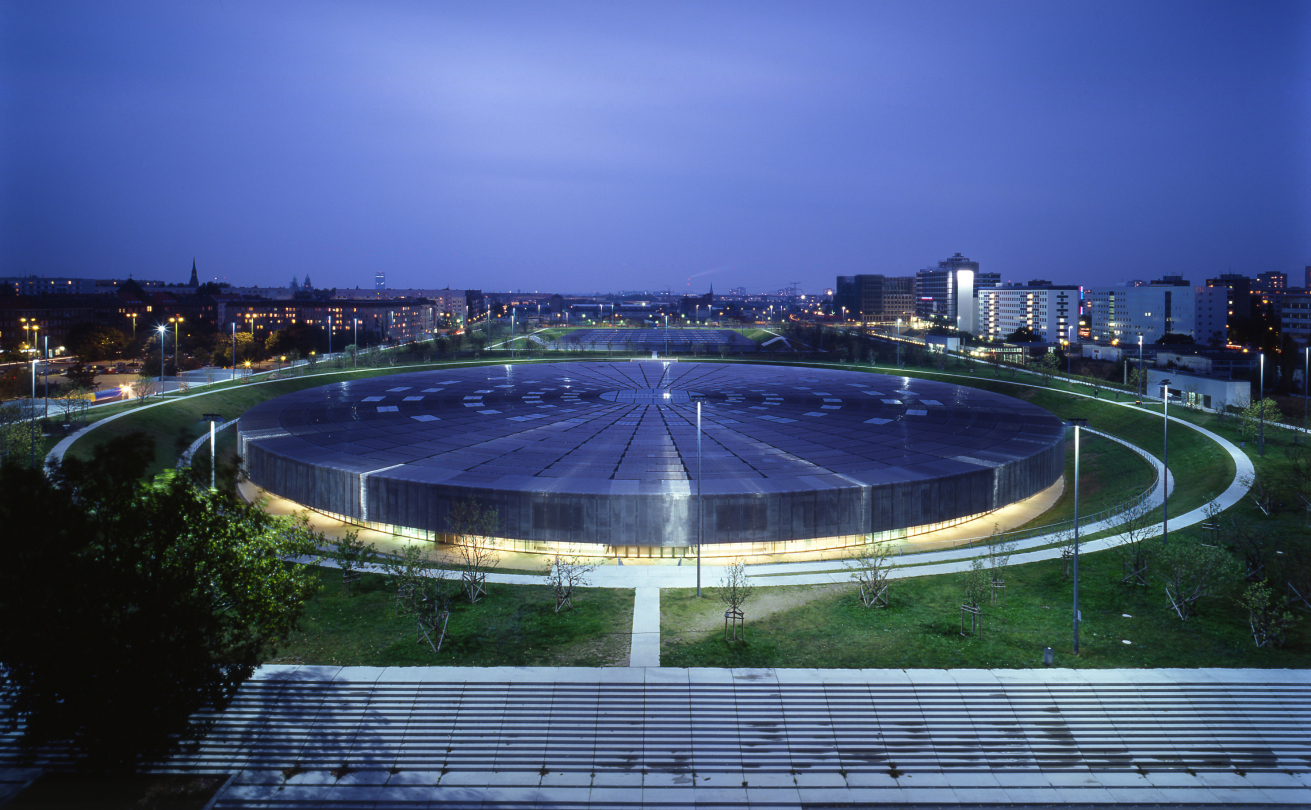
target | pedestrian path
x=627, y=737
x=645, y=649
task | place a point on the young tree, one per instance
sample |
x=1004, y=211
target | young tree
x=999, y=558
x=474, y=527
x=1132, y=544
x=69, y=400
x=352, y=556
x=1267, y=616
x=1191, y=571
x=423, y=592
x=1249, y=423
x=1261, y=490
x=734, y=591
x=142, y=604
x=1249, y=541
x=567, y=572
x=869, y=566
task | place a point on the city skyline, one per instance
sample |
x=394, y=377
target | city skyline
x=577, y=147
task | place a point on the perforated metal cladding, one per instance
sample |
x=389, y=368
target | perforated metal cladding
x=563, y=455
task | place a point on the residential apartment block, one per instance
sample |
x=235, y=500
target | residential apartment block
x=1048, y=311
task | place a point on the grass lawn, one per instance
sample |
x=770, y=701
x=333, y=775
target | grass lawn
x=826, y=626
x=515, y=625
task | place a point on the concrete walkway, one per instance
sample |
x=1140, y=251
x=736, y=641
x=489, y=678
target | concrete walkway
x=633, y=736
x=645, y=649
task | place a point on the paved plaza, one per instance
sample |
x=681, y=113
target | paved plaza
x=647, y=736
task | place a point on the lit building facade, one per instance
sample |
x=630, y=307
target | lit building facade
x=1124, y=313
x=1047, y=311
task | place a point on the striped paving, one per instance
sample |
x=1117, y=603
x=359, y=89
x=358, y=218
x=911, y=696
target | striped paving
x=626, y=737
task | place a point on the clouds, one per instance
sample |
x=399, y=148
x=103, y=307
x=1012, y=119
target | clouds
x=573, y=146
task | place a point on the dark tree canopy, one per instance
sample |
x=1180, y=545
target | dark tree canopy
x=1175, y=339
x=1022, y=335
x=92, y=342
x=129, y=605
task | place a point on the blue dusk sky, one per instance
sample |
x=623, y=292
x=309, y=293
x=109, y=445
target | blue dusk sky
x=577, y=147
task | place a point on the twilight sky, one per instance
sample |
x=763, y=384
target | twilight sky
x=572, y=146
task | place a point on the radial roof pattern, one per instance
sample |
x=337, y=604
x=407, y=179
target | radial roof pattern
x=579, y=424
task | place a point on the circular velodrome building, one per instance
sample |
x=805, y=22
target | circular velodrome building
x=606, y=454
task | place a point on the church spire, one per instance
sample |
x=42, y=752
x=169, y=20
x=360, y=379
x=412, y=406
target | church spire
x=195, y=282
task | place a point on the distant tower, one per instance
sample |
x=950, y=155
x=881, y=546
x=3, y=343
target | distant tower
x=293, y=285
x=195, y=282
x=380, y=280
x=305, y=285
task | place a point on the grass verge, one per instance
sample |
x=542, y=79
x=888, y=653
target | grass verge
x=826, y=626
x=515, y=625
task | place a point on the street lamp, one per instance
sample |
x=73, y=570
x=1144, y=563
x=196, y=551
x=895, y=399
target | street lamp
x=234, y=349
x=1076, y=424
x=1165, y=441
x=162, y=331
x=32, y=411
x=1142, y=378
x=700, y=513
x=177, y=333
x=212, y=418
x=355, y=353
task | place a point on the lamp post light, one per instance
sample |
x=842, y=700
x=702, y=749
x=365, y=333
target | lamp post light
x=177, y=334
x=355, y=352
x=1305, y=368
x=1165, y=441
x=31, y=410
x=1069, y=357
x=1076, y=424
x=234, y=351
x=163, y=330
x=45, y=379
x=700, y=513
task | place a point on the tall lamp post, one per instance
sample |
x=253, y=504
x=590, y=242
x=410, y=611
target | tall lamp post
x=1165, y=441
x=234, y=350
x=700, y=513
x=32, y=411
x=1142, y=380
x=177, y=334
x=163, y=330
x=1076, y=424
x=1306, y=368
x=45, y=379
x=355, y=352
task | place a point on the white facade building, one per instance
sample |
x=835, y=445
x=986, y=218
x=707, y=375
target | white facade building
x=1124, y=313
x=1047, y=311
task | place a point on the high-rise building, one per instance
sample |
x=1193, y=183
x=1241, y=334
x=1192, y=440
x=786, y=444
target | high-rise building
x=380, y=280
x=951, y=289
x=1124, y=313
x=1238, y=299
x=1272, y=282
x=875, y=299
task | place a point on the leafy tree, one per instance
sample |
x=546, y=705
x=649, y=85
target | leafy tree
x=93, y=342
x=869, y=566
x=1023, y=335
x=82, y=375
x=17, y=434
x=422, y=592
x=1174, y=339
x=143, y=603
x=1192, y=570
x=352, y=555
x=1249, y=422
x=1267, y=616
